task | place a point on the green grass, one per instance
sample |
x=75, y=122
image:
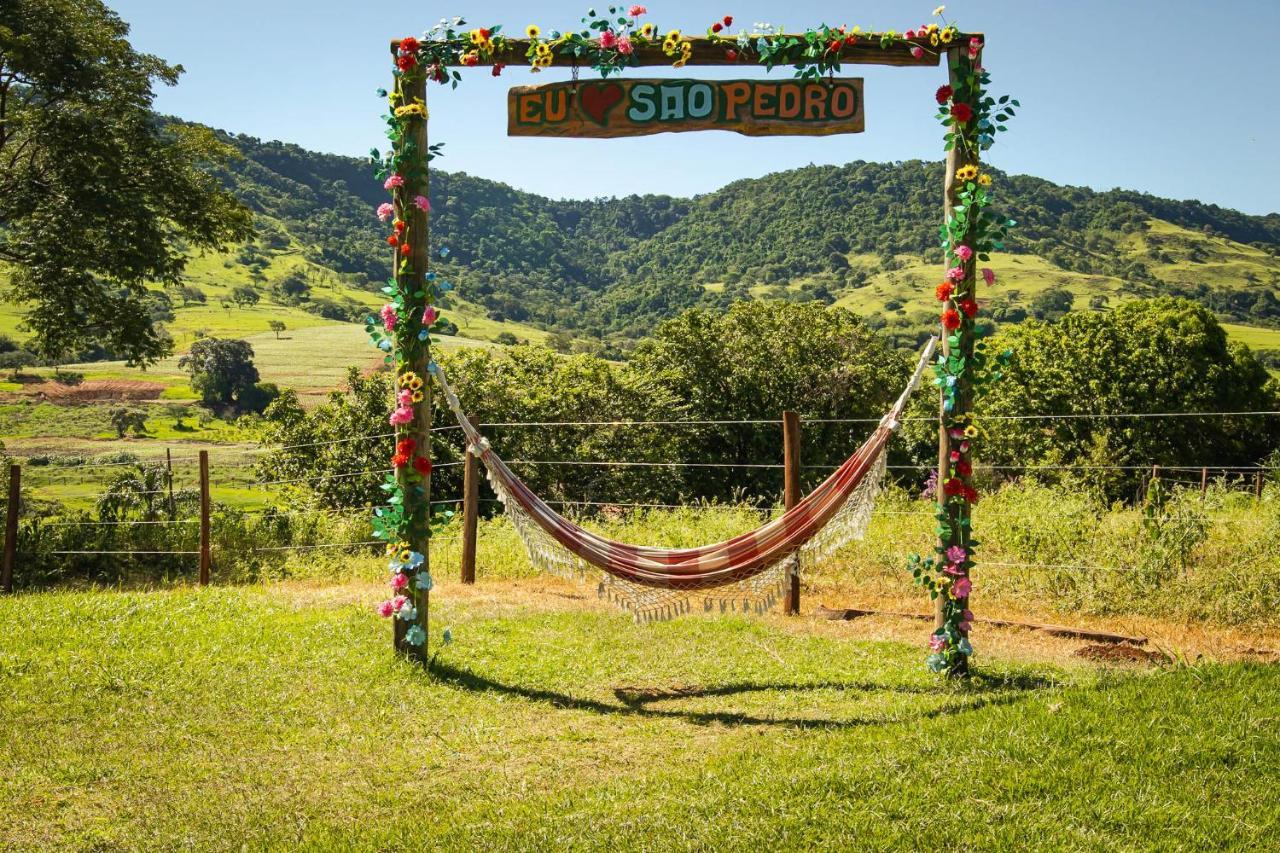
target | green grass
x=274, y=717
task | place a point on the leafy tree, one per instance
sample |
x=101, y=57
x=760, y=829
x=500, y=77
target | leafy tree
x=222, y=370
x=294, y=287
x=276, y=326
x=245, y=296
x=122, y=420
x=1162, y=355
x=97, y=196
x=506, y=339
x=1052, y=304
x=192, y=295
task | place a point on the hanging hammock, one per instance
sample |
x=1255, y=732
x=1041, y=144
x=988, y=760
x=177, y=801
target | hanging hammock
x=745, y=573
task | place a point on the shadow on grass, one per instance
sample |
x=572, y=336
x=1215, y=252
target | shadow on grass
x=985, y=690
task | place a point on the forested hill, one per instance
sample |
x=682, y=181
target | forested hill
x=853, y=234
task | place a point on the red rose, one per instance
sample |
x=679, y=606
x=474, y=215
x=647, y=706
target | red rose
x=851, y=39
x=728, y=20
x=471, y=60
x=961, y=112
x=835, y=45
x=392, y=240
x=484, y=34
x=399, y=460
x=944, y=94
x=952, y=487
x=731, y=55
x=943, y=292
x=715, y=28
x=409, y=44
x=969, y=307
x=963, y=468
x=497, y=69
x=406, y=446
x=422, y=465
x=951, y=319
x=970, y=494
x=406, y=250
x=406, y=62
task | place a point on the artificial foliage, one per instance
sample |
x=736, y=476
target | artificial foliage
x=607, y=42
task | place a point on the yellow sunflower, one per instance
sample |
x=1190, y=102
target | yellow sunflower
x=647, y=31
x=966, y=173
x=405, y=555
x=543, y=49
x=984, y=179
x=948, y=34
x=533, y=31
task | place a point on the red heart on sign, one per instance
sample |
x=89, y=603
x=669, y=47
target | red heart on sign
x=597, y=99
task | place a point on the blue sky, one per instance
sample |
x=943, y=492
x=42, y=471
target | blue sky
x=1171, y=98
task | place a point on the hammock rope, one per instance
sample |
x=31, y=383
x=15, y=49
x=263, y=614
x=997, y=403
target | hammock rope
x=747, y=573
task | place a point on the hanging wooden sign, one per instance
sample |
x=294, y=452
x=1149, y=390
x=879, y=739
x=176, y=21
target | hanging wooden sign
x=640, y=107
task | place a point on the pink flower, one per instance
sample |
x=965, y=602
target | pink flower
x=955, y=456
x=962, y=588
x=389, y=317
x=429, y=315
x=637, y=11
x=937, y=642
x=405, y=397
x=608, y=39
x=386, y=211
x=964, y=253
x=917, y=51
x=988, y=275
x=624, y=45
x=909, y=34
x=965, y=626
x=400, y=581
x=956, y=554
x=422, y=203
x=956, y=432
x=401, y=416
x=954, y=570
x=392, y=182
x=386, y=608
x=956, y=273
x=399, y=602
x=964, y=446
x=975, y=47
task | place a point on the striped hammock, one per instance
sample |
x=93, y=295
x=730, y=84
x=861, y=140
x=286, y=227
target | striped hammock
x=747, y=573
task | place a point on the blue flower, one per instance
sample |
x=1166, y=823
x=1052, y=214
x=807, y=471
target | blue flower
x=423, y=581
x=423, y=335
x=936, y=663
x=444, y=252
x=431, y=276
x=408, y=613
x=445, y=286
x=415, y=636
x=448, y=636
x=965, y=647
x=384, y=345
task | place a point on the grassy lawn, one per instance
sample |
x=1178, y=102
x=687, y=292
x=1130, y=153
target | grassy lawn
x=274, y=717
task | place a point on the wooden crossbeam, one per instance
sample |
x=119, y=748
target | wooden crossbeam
x=867, y=51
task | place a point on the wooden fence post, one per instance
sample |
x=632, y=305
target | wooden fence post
x=168, y=469
x=470, y=515
x=791, y=497
x=1257, y=486
x=1204, y=482
x=205, y=557
x=11, y=528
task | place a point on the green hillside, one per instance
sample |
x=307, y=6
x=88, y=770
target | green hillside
x=604, y=271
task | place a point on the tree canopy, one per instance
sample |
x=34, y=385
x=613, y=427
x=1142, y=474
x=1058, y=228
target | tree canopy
x=98, y=196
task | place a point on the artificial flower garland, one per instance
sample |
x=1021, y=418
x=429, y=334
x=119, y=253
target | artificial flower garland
x=608, y=43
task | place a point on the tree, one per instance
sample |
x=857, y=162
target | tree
x=294, y=287
x=276, y=326
x=1052, y=304
x=1160, y=355
x=192, y=295
x=98, y=196
x=222, y=370
x=245, y=296
x=122, y=420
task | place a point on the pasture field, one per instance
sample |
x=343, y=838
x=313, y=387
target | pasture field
x=274, y=717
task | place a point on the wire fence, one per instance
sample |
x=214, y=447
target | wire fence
x=192, y=537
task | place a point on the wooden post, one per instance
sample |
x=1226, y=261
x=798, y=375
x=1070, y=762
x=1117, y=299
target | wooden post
x=206, y=560
x=470, y=515
x=1257, y=486
x=791, y=497
x=168, y=467
x=1204, y=482
x=11, y=528
x=956, y=515
x=409, y=271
